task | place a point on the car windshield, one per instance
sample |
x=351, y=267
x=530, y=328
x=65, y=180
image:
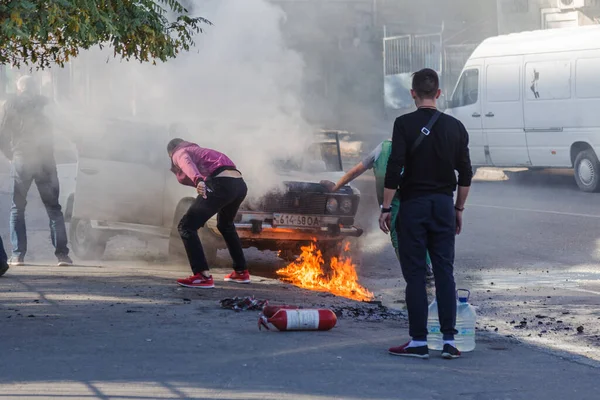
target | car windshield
x=320, y=156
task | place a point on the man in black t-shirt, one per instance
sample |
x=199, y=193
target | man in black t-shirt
x=429, y=220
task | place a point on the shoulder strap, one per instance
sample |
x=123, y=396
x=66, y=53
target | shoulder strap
x=425, y=131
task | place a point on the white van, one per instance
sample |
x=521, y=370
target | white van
x=533, y=99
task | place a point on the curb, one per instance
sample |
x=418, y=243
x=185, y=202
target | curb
x=489, y=175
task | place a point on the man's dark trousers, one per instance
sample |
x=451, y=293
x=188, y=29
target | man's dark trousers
x=428, y=222
x=42, y=171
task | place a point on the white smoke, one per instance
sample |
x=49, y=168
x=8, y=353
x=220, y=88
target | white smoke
x=238, y=91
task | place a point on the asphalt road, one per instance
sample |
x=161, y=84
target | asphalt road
x=529, y=252
x=120, y=329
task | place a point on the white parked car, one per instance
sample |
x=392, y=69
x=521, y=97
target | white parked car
x=532, y=99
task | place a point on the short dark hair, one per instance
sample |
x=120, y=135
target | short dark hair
x=426, y=83
x=173, y=144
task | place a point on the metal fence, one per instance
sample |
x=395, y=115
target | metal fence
x=409, y=53
x=454, y=59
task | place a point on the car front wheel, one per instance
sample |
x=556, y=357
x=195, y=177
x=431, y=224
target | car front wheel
x=87, y=242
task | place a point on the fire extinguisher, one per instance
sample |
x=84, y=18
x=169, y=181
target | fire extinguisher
x=270, y=310
x=299, y=320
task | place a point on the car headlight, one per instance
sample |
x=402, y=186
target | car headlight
x=346, y=206
x=332, y=205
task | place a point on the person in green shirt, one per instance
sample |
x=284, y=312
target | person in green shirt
x=377, y=160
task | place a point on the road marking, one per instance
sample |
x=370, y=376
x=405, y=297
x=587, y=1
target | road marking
x=585, y=291
x=536, y=211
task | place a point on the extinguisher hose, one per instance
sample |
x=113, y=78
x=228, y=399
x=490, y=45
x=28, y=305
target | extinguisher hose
x=262, y=322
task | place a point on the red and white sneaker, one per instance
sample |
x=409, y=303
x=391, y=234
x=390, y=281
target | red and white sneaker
x=238, y=277
x=197, y=281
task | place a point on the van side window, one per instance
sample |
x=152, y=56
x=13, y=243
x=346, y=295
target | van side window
x=586, y=76
x=467, y=90
x=548, y=80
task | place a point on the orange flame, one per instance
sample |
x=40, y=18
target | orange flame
x=307, y=272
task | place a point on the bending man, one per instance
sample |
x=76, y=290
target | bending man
x=221, y=190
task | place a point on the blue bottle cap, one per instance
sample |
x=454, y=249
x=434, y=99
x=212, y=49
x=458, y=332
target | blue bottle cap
x=463, y=299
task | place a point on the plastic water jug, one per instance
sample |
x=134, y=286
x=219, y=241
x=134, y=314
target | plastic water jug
x=434, y=338
x=465, y=324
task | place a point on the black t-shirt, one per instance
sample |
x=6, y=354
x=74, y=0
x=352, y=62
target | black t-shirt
x=431, y=168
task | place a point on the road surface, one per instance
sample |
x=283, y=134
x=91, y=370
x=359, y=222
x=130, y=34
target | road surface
x=120, y=329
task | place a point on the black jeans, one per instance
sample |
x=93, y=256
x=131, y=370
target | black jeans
x=428, y=223
x=224, y=200
x=43, y=171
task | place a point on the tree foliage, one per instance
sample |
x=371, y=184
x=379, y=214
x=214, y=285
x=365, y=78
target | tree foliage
x=41, y=33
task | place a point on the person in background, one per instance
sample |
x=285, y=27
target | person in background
x=26, y=140
x=428, y=146
x=221, y=190
x=377, y=160
x=3, y=259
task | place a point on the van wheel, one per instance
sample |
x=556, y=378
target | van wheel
x=87, y=243
x=177, y=250
x=587, y=171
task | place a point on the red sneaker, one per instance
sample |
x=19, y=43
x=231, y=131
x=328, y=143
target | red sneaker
x=238, y=277
x=197, y=281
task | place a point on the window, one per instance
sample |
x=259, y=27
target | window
x=548, y=80
x=503, y=83
x=587, y=78
x=467, y=90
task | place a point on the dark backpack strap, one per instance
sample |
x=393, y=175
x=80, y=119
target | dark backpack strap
x=425, y=131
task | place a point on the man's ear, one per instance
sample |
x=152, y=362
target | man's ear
x=413, y=94
x=439, y=93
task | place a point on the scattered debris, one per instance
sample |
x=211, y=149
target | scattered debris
x=541, y=316
x=580, y=329
x=367, y=312
x=243, y=304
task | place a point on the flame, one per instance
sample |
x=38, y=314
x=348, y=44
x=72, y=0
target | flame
x=307, y=272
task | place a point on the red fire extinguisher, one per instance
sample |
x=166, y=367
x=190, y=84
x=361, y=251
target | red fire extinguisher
x=270, y=310
x=299, y=320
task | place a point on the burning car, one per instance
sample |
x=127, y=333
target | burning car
x=132, y=192
x=292, y=215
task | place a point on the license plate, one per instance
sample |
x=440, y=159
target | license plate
x=296, y=220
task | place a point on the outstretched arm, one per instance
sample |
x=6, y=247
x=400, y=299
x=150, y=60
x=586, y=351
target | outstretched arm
x=351, y=175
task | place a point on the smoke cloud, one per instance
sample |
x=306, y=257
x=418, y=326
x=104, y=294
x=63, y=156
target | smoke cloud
x=238, y=91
